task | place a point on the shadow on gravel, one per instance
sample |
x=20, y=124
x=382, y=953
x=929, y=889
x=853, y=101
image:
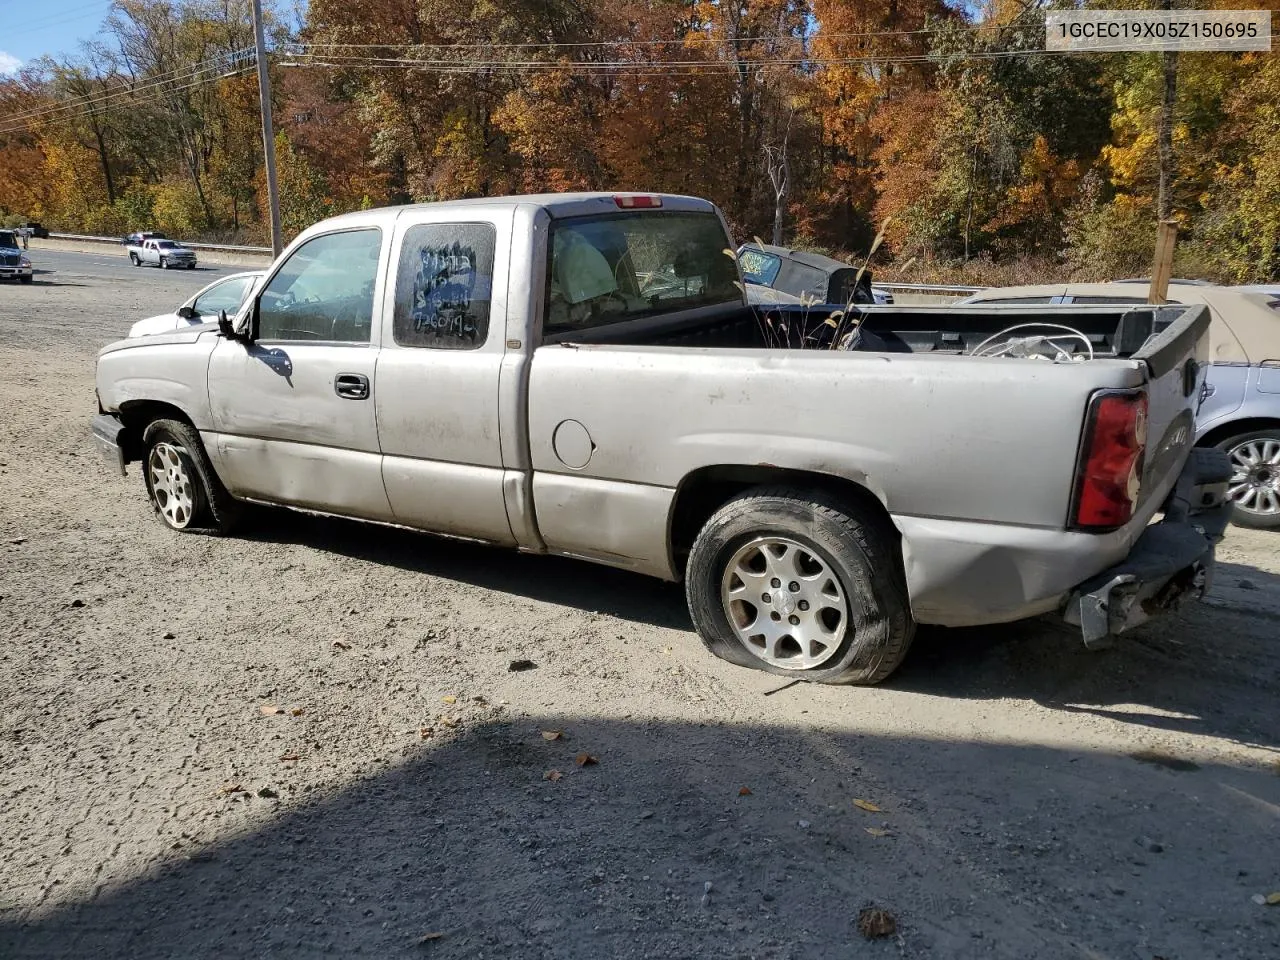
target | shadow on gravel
x=1181, y=673
x=571, y=583
x=979, y=850
x=1211, y=669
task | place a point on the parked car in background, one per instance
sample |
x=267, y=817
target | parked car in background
x=581, y=374
x=1240, y=412
x=811, y=277
x=14, y=263
x=226, y=293
x=37, y=230
x=163, y=254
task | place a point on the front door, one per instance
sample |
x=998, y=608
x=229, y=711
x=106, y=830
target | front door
x=294, y=411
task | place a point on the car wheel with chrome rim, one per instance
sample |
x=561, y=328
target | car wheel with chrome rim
x=1254, y=487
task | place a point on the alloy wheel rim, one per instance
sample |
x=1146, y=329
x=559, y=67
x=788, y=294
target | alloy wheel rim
x=1255, y=478
x=171, y=484
x=784, y=603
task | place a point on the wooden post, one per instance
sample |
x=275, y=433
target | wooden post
x=1162, y=268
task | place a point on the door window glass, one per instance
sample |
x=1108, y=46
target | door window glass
x=324, y=291
x=444, y=286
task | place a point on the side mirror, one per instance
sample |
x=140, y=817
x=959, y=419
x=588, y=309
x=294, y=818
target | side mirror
x=190, y=313
x=224, y=326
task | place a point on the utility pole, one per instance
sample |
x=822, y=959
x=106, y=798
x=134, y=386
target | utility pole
x=268, y=129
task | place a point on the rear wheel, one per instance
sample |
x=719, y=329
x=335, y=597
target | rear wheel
x=184, y=491
x=802, y=585
x=1255, y=478
x=133, y=258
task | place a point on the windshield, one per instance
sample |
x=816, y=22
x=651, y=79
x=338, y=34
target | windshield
x=758, y=266
x=619, y=267
x=8, y=240
x=166, y=245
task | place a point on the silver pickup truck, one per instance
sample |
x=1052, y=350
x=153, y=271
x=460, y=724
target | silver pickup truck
x=162, y=253
x=582, y=375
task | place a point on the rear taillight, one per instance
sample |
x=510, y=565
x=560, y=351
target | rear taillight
x=1110, y=474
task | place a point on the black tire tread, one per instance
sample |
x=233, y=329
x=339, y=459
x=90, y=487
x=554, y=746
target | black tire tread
x=871, y=537
x=225, y=512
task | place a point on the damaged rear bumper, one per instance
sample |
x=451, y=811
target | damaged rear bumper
x=1170, y=564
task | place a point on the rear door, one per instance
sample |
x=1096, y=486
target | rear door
x=294, y=411
x=442, y=353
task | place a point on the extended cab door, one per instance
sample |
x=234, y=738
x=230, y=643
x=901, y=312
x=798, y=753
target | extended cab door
x=442, y=352
x=294, y=410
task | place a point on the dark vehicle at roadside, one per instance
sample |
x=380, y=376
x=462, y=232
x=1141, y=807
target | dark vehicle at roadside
x=135, y=239
x=809, y=276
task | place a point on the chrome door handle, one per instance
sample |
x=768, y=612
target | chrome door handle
x=351, y=386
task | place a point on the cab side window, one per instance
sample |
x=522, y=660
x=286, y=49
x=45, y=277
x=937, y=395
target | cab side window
x=324, y=291
x=444, y=286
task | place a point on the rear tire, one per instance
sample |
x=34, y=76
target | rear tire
x=184, y=491
x=1255, y=481
x=835, y=613
x=133, y=258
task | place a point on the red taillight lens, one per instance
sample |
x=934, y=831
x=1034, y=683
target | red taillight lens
x=632, y=202
x=1111, y=471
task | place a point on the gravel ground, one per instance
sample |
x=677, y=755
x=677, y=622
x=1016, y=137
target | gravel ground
x=310, y=741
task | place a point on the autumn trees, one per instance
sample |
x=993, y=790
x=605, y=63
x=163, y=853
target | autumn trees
x=815, y=121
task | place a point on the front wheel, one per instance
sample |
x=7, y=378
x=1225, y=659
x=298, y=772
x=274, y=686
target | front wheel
x=183, y=489
x=164, y=264
x=800, y=584
x=191, y=266
x=1255, y=478
x=27, y=279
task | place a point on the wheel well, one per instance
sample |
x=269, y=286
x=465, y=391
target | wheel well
x=1235, y=428
x=137, y=415
x=706, y=490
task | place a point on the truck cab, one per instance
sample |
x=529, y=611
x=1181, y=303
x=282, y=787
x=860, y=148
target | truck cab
x=14, y=262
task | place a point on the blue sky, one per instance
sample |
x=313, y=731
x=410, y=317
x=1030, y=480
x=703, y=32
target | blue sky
x=47, y=26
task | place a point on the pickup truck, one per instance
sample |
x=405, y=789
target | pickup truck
x=582, y=375
x=14, y=263
x=162, y=253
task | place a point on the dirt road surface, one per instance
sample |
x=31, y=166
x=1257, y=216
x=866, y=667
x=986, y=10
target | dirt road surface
x=309, y=741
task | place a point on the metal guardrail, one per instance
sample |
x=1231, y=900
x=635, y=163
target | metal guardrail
x=224, y=247
x=927, y=287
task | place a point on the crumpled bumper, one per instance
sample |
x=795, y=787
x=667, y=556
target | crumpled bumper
x=1170, y=564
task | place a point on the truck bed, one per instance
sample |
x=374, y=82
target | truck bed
x=1113, y=332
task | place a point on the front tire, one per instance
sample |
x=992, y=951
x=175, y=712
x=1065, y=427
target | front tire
x=185, y=493
x=164, y=264
x=27, y=279
x=1255, y=478
x=800, y=584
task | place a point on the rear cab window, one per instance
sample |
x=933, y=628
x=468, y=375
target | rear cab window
x=758, y=266
x=611, y=268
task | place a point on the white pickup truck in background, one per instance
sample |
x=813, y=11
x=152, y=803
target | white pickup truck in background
x=162, y=253
x=582, y=375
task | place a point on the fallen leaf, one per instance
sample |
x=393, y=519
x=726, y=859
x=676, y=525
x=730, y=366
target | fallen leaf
x=296, y=712
x=341, y=645
x=425, y=732
x=270, y=711
x=233, y=788
x=867, y=805
x=876, y=831
x=450, y=699
x=291, y=756
x=552, y=775
x=585, y=759
x=552, y=734
x=1273, y=898
x=744, y=791
x=428, y=937
x=875, y=924
x=450, y=722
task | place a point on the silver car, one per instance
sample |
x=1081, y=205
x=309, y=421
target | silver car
x=226, y=293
